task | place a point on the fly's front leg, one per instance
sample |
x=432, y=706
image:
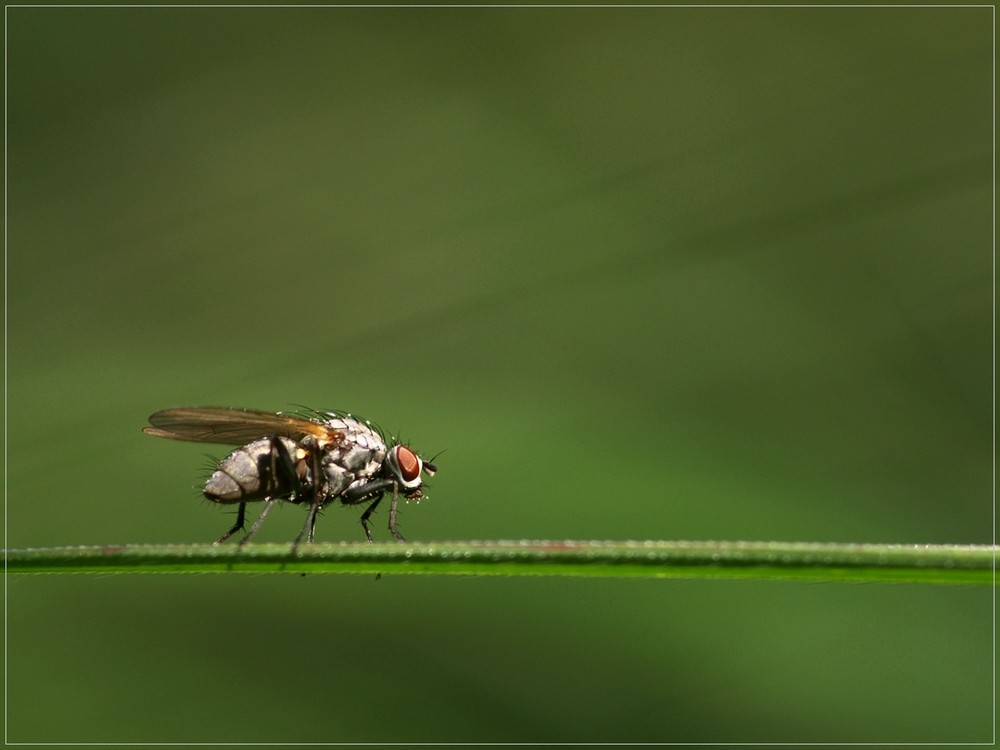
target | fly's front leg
x=364, y=492
x=393, y=513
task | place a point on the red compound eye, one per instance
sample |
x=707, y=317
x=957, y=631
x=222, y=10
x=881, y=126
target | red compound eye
x=409, y=464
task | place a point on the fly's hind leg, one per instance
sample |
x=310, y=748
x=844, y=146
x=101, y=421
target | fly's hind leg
x=240, y=518
x=281, y=473
x=260, y=520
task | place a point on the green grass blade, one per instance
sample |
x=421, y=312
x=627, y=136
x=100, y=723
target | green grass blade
x=914, y=563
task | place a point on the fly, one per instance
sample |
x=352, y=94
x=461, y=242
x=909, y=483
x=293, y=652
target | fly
x=310, y=459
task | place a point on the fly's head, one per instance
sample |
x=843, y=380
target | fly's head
x=404, y=466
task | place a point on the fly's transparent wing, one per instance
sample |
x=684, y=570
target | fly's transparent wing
x=222, y=424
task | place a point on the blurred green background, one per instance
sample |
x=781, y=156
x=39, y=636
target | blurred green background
x=671, y=273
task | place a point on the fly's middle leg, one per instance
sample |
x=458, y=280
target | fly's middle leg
x=315, y=502
x=309, y=528
x=367, y=514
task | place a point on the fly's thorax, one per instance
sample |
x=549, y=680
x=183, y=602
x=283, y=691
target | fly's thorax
x=250, y=473
x=357, y=459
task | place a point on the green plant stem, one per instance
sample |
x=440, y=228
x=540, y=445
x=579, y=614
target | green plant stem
x=915, y=563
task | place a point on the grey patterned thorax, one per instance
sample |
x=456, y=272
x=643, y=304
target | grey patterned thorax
x=357, y=460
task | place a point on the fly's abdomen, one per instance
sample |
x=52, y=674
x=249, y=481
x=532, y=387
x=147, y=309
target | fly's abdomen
x=254, y=472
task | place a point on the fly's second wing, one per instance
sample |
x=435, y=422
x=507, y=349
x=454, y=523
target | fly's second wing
x=222, y=424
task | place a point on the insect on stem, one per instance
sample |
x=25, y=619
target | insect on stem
x=312, y=458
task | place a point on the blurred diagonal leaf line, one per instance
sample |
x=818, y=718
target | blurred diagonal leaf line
x=910, y=563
